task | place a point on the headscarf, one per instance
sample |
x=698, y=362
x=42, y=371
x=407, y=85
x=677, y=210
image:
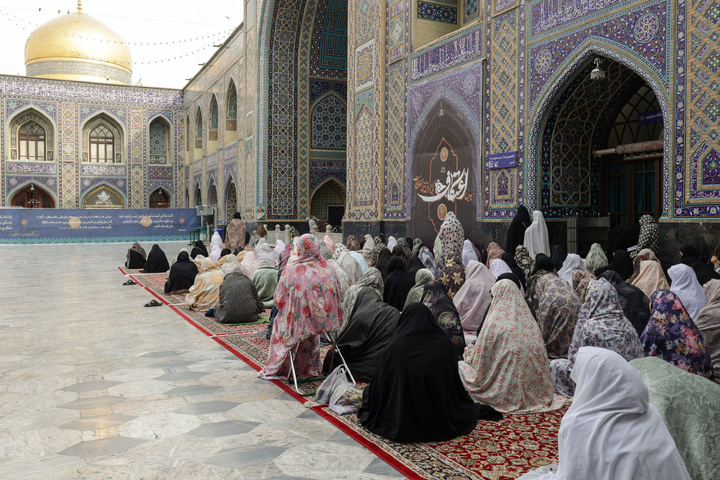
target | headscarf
x=366, y=332
x=156, y=261
x=594, y=442
x=453, y=275
x=688, y=405
x=446, y=315
x=437, y=251
x=329, y=244
x=350, y=265
x=557, y=313
x=523, y=260
x=371, y=278
x=278, y=250
x=498, y=267
x=648, y=234
x=581, y=281
x=309, y=304
x=572, y=263
x=383, y=261
x=379, y=245
x=204, y=294
x=140, y=252
x=250, y=263
x=451, y=235
x=704, y=272
x=595, y=258
x=182, y=274
x=558, y=256
x=325, y=251
x=536, y=236
x=690, y=255
x=621, y=263
x=493, y=253
x=516, y=231
x=352, y=244
x=673, y=336
x=369, y=245
x=468, y=253
x=216, y=240
x=543, y=266
x=230, y=263
x=360, y=259
x=397, y=284
x=635, y=304
x=265, y=254
x=417, y=243
x=391, y=243
x=507, y=366
x=402, y=243
x=651, y=278
x=509, y=260
x=601, y=323
x=709, y=326
x=473, y=299
x=428, y=261
x=415, y=265
x=416, y=395
x=686, y=287
x=422, y=277
x=235, y=233
x=238, y=300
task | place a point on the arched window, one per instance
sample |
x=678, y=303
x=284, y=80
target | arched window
x=31, y=138
x=187, y=133
x=232, y=102
x=198, y=125
x=102, y=142
x=213, y=113
x=158, y=142
x=198, y=196
x=230, y=200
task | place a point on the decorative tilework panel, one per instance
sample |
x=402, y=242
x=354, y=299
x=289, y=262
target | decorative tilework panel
x=364, y=175
x=32, y=168
x=318, y=88
x=160, y=173
x=448, y=54
x=158, y=138
x=327, y=194
x=365, y=65
x=547, y=15
x=436, y=13
x=395, y=169
x=137, y=187
x=366, y=12
x=136, y=136
x=329, y=124
x=329, y=57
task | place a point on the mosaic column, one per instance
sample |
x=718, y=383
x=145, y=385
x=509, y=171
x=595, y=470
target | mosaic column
x=69, y=170
x=137, y=177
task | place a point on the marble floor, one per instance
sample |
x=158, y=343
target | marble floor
x=95, y=386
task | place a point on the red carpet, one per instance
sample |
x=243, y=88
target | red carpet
x=493, y=451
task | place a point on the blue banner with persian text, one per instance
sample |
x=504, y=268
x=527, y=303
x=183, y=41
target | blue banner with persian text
x=55, y=225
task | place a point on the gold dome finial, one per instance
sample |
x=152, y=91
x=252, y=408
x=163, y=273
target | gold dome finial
x=79, y=5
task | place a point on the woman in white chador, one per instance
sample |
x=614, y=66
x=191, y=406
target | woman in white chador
x=536, y=236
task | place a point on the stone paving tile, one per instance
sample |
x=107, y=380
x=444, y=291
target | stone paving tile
x=207, y=407
x=379, y=467
x=90, y=386
x=184, y=375
x=244, y=456
x=193, y=390
x=98, y=448
x=93, y=402
x=98, y=422
x=223, y=429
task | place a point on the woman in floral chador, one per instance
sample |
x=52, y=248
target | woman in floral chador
x=672, y=335
x=309, y=304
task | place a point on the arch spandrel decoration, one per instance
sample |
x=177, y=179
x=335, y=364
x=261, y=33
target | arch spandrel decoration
x=31, y=115
x=103, y=197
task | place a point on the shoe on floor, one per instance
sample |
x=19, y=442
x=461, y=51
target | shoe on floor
x=153, y=303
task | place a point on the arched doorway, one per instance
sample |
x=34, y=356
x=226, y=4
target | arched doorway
x=198, y=196
x=103, y=197
x=600, y=150
x=33, y=197
x=328, y=202
x=159, y=199
x=230, y=200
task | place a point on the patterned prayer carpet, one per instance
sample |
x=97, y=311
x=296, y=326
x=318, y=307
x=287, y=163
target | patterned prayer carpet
x=493, y=451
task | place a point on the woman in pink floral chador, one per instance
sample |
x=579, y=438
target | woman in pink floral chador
x=309, y=304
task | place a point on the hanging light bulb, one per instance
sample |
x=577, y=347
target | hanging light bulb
x=597, y=73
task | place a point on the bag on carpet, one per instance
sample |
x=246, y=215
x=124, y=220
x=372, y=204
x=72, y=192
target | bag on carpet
x=336, y=380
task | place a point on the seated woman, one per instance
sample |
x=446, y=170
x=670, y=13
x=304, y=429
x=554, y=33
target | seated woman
x=595, y=258
x=509, y=260
x=205, y=292
x=416, y=394
x=266, y=276
x=309, y=304
x=635, y=304
x=238, y=299
x=156, y=261
x=620, y=263
x=709, y=325
x=235, y=232
x=445, y=313
x=507, y=367
x=543, y=266
x=606, y=432
x=397, y=284
x=650, y=277
x=422, y=277
x=473, y=299
x=365, y=335
x=201, y=249
x=572, y=264
x=672, y=335
x=136, y=256
x=601, y=323
x=689, y=406
x=582, y=279
x=371, y=278
x=557, y=313
x=686, y=286
x=182, y=274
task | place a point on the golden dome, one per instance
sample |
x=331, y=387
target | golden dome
x=77, y=46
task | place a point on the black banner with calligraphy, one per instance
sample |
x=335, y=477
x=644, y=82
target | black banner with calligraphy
x=443, y=175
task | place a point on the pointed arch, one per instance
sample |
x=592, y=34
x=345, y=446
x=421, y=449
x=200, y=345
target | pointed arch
x=231, y=104
x=231, y=199
x=540, y=108
x=103, y=195
x=328, y=201
x=213, y=112
x=103, y=138
x=198, y=197
x=328, y=123
x=22, y=192
x=160, y=197
x=37, y=146
x=159, y=134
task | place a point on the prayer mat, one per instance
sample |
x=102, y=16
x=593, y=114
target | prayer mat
x=493, y=451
